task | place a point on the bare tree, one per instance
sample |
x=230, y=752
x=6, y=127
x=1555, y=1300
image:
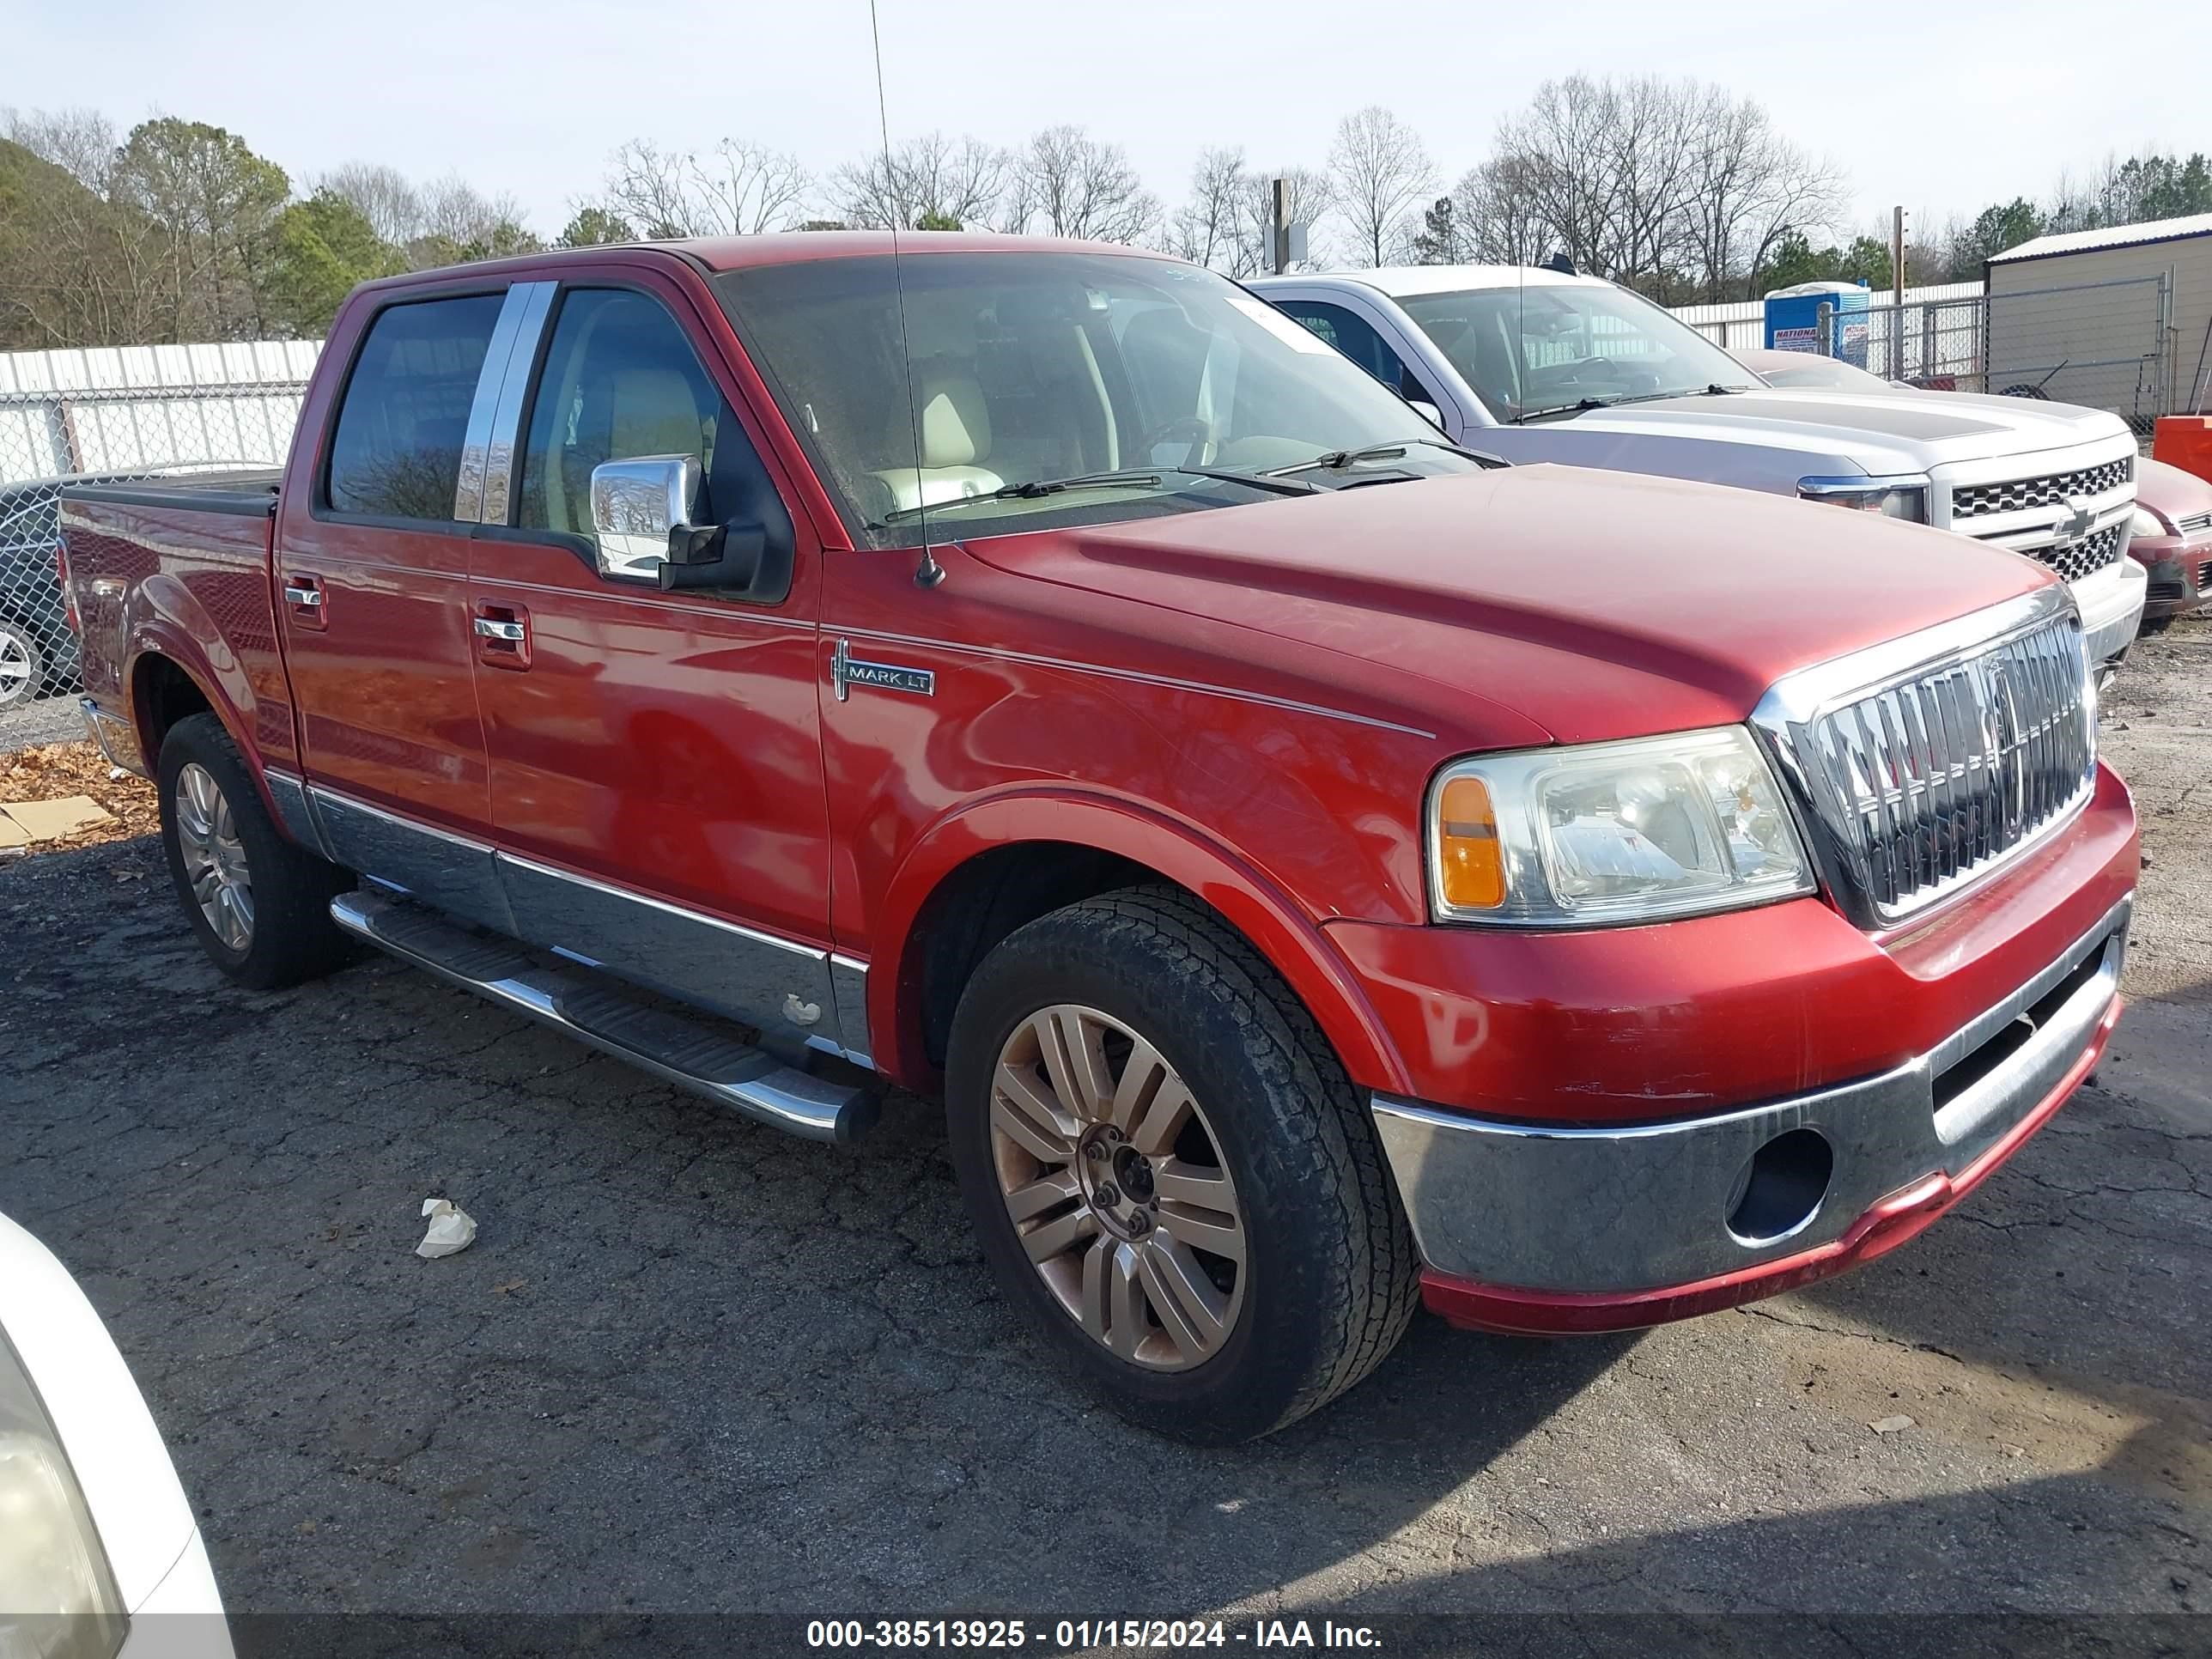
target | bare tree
x=736, y=189
x=1497, y=217
x=1381, y=171
x=1205, y=229
x=1671, y=185
x=1065, y=183
x=1750, y=188
x=382, y=194
x=927, y=182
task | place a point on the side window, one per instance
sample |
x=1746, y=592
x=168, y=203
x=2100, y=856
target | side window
x=620, y=382
x=1353, y=336
x=396, y=450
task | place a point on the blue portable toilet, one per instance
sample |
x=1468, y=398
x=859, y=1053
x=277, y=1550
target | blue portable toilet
x=1793, y=320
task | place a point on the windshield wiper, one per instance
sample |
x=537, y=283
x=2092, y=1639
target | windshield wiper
x=1715, y=390
x=1038, y=489
x=1575, y=408
x=1338, y=460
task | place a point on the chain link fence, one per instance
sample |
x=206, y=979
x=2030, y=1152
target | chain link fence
x=2103, y=345
x=112, y=415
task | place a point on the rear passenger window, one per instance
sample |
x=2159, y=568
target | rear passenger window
x=396, y=452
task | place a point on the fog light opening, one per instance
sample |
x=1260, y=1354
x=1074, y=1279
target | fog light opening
x=1781, y=1187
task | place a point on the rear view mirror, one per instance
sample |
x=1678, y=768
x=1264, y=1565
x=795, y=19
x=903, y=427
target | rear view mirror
x=1427, y=411
x=635, y=505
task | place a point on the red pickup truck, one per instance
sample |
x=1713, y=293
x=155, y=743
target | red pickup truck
x=1318, y=868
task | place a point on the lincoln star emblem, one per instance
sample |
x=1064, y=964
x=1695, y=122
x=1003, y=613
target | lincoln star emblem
x=2075, y=525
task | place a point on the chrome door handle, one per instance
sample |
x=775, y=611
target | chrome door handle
x=492, y=629
x=300, y=593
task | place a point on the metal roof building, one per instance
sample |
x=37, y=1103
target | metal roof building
x=2119, y=318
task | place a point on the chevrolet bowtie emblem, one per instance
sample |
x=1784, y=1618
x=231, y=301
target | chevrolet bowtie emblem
x=2075, y=525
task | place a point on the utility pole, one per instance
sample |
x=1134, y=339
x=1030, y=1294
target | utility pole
x=1282, y=226
x=1897, y=255
x=1897, y=294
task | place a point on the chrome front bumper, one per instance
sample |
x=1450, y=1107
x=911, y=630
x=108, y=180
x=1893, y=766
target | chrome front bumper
x=2112, y=604
x=1605, y=1211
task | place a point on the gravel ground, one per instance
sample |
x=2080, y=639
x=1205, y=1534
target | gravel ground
x=692, y=1364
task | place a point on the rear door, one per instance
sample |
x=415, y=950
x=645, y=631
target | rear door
x=656, y=758
x=372, y=557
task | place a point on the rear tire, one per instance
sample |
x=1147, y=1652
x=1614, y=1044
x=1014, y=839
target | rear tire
x=260, y=903
x=1307, y=1275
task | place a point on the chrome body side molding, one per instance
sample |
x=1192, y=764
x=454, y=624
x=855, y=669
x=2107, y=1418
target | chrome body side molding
x=692, y=1054
x=772, y=984
x=784, y=989
x=294, y=814
x=447, y=871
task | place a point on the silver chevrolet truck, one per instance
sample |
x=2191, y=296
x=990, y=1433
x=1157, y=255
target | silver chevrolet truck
x=1538, y=365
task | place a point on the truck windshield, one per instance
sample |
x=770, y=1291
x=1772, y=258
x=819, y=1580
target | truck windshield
x=1551, y=348
x=1037, y=368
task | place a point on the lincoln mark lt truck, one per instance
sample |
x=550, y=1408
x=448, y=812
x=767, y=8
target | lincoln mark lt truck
x=1319, y=870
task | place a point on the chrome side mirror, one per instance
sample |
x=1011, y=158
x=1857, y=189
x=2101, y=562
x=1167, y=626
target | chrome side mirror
x=636, y=504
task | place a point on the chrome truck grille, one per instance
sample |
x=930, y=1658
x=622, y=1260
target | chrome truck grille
x=2074, y=559
x=1926, y=764
x=2052, y=489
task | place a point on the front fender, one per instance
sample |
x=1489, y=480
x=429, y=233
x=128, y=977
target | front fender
x=1294, y=946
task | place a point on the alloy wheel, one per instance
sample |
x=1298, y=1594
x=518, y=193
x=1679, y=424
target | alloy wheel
x=19, y=666
x=215, y=858
x=1117, y=1188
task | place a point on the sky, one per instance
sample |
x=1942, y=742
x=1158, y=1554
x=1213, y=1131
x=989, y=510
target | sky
x=1946, y=109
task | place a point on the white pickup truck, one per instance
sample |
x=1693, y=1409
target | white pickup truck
x=1537, y=365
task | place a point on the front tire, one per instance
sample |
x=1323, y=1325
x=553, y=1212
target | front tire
x=260, y=903
x=1171, y=1175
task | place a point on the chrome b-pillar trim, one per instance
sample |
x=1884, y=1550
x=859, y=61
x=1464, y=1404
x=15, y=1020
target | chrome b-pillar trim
x=488, y=445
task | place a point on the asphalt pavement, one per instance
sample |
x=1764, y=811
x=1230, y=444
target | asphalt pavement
x=692, y=1364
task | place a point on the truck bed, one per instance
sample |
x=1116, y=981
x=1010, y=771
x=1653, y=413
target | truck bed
x=182, y=563
x=247, y=493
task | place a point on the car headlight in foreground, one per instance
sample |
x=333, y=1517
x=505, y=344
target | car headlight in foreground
x=1902, y=497
x=1612, y=832
x=2146, y=523
x=57, y=1596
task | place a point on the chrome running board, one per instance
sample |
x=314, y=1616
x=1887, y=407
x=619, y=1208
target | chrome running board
x=697, y=1053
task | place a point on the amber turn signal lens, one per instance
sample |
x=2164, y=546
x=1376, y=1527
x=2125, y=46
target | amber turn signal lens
x=1470, y=864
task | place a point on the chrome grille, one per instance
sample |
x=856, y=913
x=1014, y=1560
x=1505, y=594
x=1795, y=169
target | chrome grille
x=1927, y=783
x=2074, y=560
x=2052, y=489
x=2193, y=523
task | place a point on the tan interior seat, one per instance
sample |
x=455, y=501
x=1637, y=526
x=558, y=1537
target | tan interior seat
x=939, y=450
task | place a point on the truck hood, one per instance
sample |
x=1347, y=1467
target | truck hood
x=1589, y=605
x=1881, y=432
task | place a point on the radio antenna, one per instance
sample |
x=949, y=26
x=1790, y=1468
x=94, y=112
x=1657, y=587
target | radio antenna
x=928, y=573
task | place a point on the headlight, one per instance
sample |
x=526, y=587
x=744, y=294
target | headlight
x=1610, y=832
x=55, y=1585
x=2147, y=523
x=1904, y=497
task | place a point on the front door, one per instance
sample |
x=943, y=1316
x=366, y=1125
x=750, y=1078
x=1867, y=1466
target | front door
x=372, y=553
x=656, y=758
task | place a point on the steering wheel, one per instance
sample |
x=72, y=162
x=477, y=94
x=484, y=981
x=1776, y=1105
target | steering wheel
x=1198, y=430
